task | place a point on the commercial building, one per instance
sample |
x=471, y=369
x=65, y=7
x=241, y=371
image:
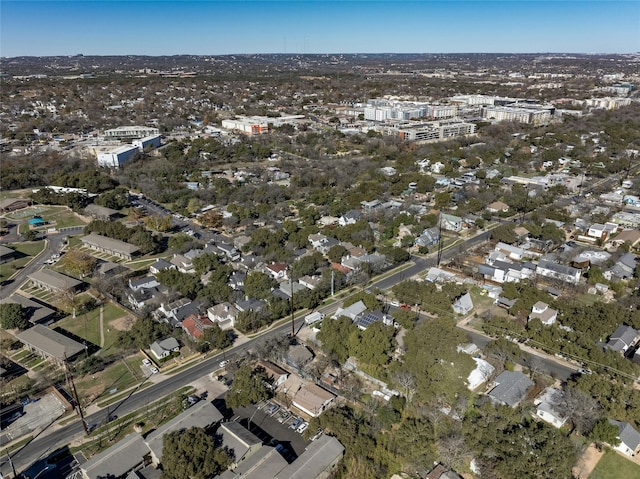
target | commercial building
x=50, y=344
x=252, y=126
x=110, y=246
x=54, y=281
x=430, y=131
x=130, y=132
x=153, y=141
x=532, y=116
x=117, y=157
x=385, y=110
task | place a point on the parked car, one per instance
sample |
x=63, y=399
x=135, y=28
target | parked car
x=296, y=423
x=272, y=409
x=302, y=427
x=146, y=362
x=154, y=370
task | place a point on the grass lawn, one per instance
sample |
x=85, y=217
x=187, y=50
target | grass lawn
x=63, y=218
x=116, y=377
x=30, y=249
x=614, y=466
x=87, y=325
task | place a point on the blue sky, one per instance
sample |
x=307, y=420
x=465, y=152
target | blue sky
x=208, y=27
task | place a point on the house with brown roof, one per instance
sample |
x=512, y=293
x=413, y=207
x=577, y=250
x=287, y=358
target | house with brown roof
x=12, y=204
x=312, y=399
x=497, y=207
x=277, y=270
x=224, y=314
x=195, y=324
x=275, y=373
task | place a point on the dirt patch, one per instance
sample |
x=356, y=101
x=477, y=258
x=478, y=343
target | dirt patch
x=123, y=324
x=587, y=462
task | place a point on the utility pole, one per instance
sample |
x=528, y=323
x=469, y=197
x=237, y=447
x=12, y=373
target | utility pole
x=72, y=386
x=293, y=326
x=440, y=240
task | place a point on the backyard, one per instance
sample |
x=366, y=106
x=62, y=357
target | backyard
x=614, y=466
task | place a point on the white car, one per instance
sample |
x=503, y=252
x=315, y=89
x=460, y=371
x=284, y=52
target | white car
x=224, y=363
x=146, y=362
x=154, y=370
x=302, y=427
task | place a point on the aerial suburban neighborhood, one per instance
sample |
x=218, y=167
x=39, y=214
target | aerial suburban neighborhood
x=314, y=266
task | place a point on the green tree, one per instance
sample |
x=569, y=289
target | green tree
x=78, y=263
x=605, y=432
x=258, y=285
x=216, y=337
x=13, y=316
x=192, y=454
x=336, y=253
x=250, y=386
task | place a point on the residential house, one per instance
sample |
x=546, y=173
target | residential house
x=312, y=399
x=366, y=318
x=629, y=438
x=463, y=305
x=602, y=231
x=146, y=296
x=310, y=282
x=497, y=207
x=34, y=311
x=371, y=205
x=237, y=279
x=163, y=349
x=116, y=461
x=101, y=213
x=480, y=374
x=7, y=254
x=289, y=288
x=544, y=313
x=322, y=243
x=623, y=338
x=229, y=251
x=351, y=311
x=275, y=373
x=623, y=269
x=429, y=237
x=195, y=324
x=277, y=271
x=145, y=282
x=178, y=310
x=318, y=461
x=50, y=344
x=182, y=263
x=298, y=355
x=54, y=281
x=505, y=272
x=630, y=236
x=547, y=407
x=110, y=246
x=450, y=222
x=510, y=388
x=557, y=271
x=160, y=265
x=223, y=314
x=238, y=441
x=349, y=218
x=512, y=252
x=250, y=304
x=203, y=414
x=442, y=472
x=437, y=275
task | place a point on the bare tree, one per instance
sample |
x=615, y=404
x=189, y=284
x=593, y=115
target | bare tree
x=583, y=410
x=407, y=382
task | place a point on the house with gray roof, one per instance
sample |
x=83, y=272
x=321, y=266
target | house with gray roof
x=265, y=463
x=54, y=281
x=240, y=443
x=510, y=388
x=50, y=344
x=163, y=349
x=160, y=265
x=552, y=270
x=7, y=254
x=351, y=311
x=35, y=312
x=547, y=407
x=223, y=314
x=629, y=438
x=317, y=461
x=119, y=459
x=623, y=338
x=623, y=269
x=203, y=414
x=464, y=304
x=101, y=212
x=111, y=246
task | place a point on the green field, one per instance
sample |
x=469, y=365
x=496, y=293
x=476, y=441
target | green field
x=614, y=466
x=87, y=325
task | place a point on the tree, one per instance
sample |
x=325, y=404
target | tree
x=212, y=219
x=250, y=386
x=158, y=222
x=583, y=410
x=605, y=432
x=258, y=285
x=12, y=316
x=217, y=337
x=192, y=454
x=78, y=263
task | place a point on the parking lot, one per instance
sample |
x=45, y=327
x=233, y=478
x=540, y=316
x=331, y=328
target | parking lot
x=37, y=416
x=272, y=424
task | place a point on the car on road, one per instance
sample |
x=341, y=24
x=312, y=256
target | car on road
x=302, y=427
x=224, y=363
x=296, y=423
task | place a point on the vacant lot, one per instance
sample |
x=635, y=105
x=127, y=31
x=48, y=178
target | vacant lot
x=614, y=466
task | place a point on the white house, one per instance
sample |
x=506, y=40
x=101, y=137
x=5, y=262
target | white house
x=463, y=304
x=544, y=313
x=480, y=374
x=547, y=407
x=629, y=438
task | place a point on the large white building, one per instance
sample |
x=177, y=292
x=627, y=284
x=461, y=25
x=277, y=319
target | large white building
x=431, y=130
x=130, y=132
x=117, y=157
x=532, y=116
x=147, y=142
x=249, y=125
x=384, y=110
